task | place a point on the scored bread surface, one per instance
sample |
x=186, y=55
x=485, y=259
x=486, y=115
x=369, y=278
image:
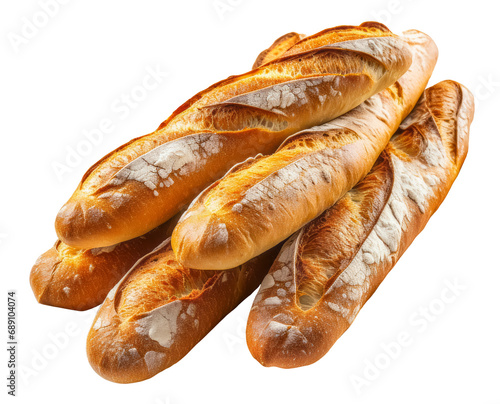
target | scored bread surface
x=264, y=200
x=145, y=182
x=160, y=310
x=329, y=269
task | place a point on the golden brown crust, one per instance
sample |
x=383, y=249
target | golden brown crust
x=280, y=46
x=159, y=173
x=78, y=279
x=264, y=201
x=160, y=310
x=329, y=269
x=342, y=33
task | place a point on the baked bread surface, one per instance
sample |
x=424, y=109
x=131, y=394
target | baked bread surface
x=328, y=270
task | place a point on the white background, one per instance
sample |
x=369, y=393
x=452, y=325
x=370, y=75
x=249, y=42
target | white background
x=70, y=76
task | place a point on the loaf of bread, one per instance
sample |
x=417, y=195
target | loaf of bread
x=77, y=279
x=264, y=200
x=146, y=181
x=160, y=310
x=328, y=270
x=80, y=279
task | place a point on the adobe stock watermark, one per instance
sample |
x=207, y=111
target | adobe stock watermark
x=418, y=322
x=392, y=8
x=486, y=87
x=30, y=27
x=56, y=343
x=237, y=339
x=121, y=107
x=223, y=7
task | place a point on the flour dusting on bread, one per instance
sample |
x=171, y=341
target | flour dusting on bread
x=161, y=324
x=157, y=167
x=281, y=96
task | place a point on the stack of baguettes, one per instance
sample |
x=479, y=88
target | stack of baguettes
x=341, y=158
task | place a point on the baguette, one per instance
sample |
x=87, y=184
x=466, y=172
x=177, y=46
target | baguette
x=146, y=181
x=264, y=200
x=77, y=279
x=80, y=279
x=160, y=310
x=328, y=270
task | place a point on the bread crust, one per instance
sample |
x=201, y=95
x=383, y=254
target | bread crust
x=328, y=270
x=77, y=279
x=145, y=182
x=160, y=310
x=278, y=48
x=264, y=200
x=80, y=279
